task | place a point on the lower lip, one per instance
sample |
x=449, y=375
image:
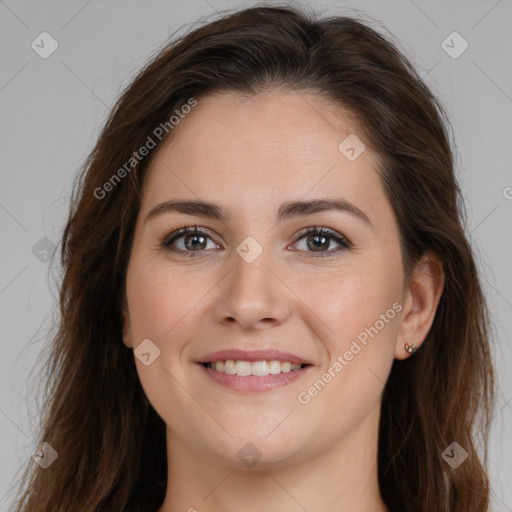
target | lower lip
x=253, y=383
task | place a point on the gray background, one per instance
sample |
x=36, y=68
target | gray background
x=52, y=110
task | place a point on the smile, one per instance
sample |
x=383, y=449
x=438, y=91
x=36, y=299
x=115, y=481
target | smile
x=251, y=371
x=246, y=382
x=258, y=368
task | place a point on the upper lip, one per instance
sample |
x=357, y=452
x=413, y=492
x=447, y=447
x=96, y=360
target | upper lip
x=252, y=356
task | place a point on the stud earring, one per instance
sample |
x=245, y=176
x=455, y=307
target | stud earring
x=410, y=348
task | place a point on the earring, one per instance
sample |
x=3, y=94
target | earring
x=410, y=348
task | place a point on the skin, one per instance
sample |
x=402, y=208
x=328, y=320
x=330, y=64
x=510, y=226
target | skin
x=251, y=155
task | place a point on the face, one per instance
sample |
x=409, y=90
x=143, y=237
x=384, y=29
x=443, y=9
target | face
x=264, y=280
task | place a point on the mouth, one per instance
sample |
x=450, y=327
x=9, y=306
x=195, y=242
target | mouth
x=253, y=371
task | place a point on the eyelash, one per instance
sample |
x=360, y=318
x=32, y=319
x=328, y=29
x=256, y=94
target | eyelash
x=344, y=244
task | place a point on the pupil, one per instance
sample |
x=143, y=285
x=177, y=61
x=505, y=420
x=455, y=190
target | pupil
x=194, y=244
x=318, y=237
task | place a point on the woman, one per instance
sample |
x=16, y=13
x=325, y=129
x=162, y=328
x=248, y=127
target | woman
x=269, y=301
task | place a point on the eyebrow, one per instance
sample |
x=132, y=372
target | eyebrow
x=286, y=211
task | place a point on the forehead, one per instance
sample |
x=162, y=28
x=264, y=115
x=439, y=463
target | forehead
x=251, y=152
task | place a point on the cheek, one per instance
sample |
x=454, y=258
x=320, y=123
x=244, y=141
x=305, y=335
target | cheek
x=161, y=305
x=160, y=297
x=357, y=322
x=349, y=300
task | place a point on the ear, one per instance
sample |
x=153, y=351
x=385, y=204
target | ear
x=422, y=297
x=127, y=325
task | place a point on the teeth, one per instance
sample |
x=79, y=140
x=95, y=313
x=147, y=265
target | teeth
x=286, y=367
x=274, y=367
x=243, y=368
x=230, y=367
x=259, y=368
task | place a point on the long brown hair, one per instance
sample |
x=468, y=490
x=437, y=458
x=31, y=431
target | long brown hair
x=109, y=439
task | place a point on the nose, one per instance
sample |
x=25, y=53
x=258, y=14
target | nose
x=253, y=295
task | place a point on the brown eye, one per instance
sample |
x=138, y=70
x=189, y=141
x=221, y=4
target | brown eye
x=194, y=241
x=189, y=240
x=319, y=240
